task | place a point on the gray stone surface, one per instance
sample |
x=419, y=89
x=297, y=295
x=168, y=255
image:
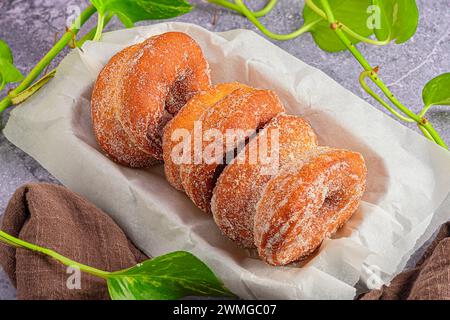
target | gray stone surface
x=30, y=27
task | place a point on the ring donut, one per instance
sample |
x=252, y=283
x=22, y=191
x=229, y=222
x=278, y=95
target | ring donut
x=241, y=183
x=308, y=202
x=246, y=110
x=140, y=89
x=286, y=208
x=185, y=118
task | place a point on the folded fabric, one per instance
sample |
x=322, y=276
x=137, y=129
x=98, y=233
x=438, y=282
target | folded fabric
x=429, y=280
x=54, y=217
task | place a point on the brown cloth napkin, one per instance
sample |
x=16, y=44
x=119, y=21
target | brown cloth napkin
x=54, y=217
x=429, y=280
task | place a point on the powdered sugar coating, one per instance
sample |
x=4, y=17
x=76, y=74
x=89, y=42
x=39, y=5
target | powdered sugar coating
x=240, y=185
x=185, y=119
x=143, y=87
x=308, y=201
x=246, y=109
x=111, y=136
x=140, y=89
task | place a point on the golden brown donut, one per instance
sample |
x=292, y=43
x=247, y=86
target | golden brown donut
x=241, y=183
x=185, y=118
x=245, y=109
x=140, y=89
x=110, y=134
x=306, y=203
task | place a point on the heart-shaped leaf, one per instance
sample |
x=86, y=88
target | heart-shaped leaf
x=353, y=13
x=172, y=276
x=8, y=72
x=437, y=91
x=132, y=11
x=5, y=52
x=395, y=19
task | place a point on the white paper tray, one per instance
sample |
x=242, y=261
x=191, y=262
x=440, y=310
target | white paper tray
x=408, y=177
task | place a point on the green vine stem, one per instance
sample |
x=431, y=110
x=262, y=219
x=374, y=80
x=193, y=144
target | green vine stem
x=37, y=70
x=24, y=95
x=316, y=9
x=100, y=24
x=363, y=83
x=357, y=36
x=342, y=26
x=426, y=133
x=423, y=123
x=424, y=110
x=247, y=13
x=18, y=243
x=258, y=14
x=241, y=8
x=31, y=90
x=91, y=34
x=342, y=31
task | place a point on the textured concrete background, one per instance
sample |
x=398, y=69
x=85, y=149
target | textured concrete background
x=30, y=27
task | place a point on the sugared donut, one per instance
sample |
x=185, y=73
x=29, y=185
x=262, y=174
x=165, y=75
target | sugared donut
x=109, y=132
x=241, y=183
x=192, y=111
x=306, y=203
x=140, y=89
x=244, y=110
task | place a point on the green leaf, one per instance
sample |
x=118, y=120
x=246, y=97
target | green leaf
x=398, y=19
x=167, y=277
x=132, y=11
x=437, y=91
x=8, y=72
x=5, y=52
x=352, y=13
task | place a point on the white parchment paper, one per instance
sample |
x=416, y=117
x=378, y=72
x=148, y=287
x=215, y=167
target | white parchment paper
x=408, y=177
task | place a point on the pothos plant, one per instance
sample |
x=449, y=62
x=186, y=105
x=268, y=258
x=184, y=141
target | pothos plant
x=337, y=25
x=128, y=11
x=170, y=276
